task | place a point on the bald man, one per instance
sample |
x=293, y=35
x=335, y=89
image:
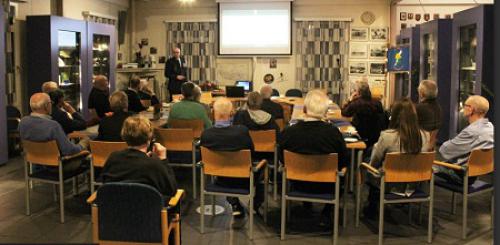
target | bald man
x=49, y=86
x=175, y=71
x=98, y=102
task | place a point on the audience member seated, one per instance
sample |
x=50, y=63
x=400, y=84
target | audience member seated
x=428, y=109
x=39, y=127
x=226, y=137
x=188, y=108
x=146, y=93
x=137, y=163
x=403, y=135
x=315, y=136
x=253, y=117
x=65, y=114
x=134, y=101
x=367, y=113
x=479, y=134
x=110, y=127
x=197, y=98
x=268, y=105
x=49, y=86
x=98, y=102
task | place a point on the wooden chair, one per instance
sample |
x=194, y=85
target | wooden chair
x=180, y=140
x=480, y=163
x=177, y=97
x=312, y=168
x=146, y=103
x=131, y=213
x=293, y=93
x=287, y=112
x=47, y=155
x=281, y=123
x=265, y=141
x=404, y=168
x=100, y=153
x=433, y=138
x=232, y=164
x=196, y=124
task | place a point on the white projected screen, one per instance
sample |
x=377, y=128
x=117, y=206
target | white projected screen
x=255, y=28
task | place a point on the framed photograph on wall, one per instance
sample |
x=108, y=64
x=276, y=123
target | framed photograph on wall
x=357, y=67
x=378, y=33
x=359, y=33
x=378, y=50
x=358, y=50
x=377, y=68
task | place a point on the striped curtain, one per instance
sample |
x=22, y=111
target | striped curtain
x=198, y=42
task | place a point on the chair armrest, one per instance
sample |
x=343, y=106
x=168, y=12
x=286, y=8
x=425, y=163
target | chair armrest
x=343, y=172
x=92, y=198
x=177, y=198
x=79, y=154
x=197, y=142
x=260, y=165
x=448, y=165
x=371, y=169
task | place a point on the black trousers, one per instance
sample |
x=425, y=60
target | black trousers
x=243, y=183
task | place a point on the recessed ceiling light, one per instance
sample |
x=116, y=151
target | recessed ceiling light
x=186, y=1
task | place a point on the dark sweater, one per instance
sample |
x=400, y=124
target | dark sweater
x=367, y=117
x=232, y=138
x=429, y=115
x=242, y=117
x=99, y=101
x=272, y=108
x=69, y=125
x=110, y=127
x=134, y=166
x=314, y=137
x=134, y=101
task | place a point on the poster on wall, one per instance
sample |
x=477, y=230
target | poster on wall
x=378, y=33
x=359, y=33
x=357, y=67
x=377, y=68
x=358, y=50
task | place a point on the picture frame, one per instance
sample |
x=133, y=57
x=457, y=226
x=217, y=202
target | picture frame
x=378, y=51
x=359, y=34
x=358, y=50
x=402, y=16
x=409, y=16
x=357, y=67
x=377, y=68
x=378, y=33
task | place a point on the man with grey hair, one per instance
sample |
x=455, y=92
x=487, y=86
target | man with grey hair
x=175, y=71
x=268, y=105
x=253, y=117
x=110, y=127
x=478, y=135
x=428, y=108
x=39, y=126
x=98, y=102
x=315, y=136
x=49, y=86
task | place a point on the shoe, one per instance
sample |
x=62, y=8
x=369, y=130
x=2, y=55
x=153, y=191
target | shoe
x=238, y=210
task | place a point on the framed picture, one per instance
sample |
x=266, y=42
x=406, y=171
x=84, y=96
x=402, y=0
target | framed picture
x=418, y=17
x=409, y=16
x=436, y=16
x=378, y=51
x=427, y=17
x=403, y=26
x=378, y=33
x=359, y=33
x=377, y=68
x=448, y=16
x=357, y=67
x=402, y=16
x=358, y=50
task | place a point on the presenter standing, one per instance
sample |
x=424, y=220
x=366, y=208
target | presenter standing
x=175, y=71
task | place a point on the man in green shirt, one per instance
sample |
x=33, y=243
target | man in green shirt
x=188, y=108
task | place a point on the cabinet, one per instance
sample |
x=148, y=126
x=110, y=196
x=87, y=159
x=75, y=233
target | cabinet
x=4, y=153
x=435, y=64
x=407, y=82
x=472, y=61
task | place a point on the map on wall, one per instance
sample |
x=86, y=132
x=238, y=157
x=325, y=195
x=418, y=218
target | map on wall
x=230, y=70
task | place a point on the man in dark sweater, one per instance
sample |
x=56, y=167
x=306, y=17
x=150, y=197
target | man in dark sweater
x=134, y=101
x=110, y=127
x=225, y=137
x=253, y=117
x=139, y=165
x=268, y=105
x=98, y=102
x=69, y=119
x=428, y=109
x=315, y=136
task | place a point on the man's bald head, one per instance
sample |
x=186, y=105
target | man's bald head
x=177, y=52
x=40, y=103
x=222, y=109
x=101, y=82
x=266, y=91
x=49, y=86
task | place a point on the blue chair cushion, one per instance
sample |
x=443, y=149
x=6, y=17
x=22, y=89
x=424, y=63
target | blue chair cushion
x=303, y=194
x=313, y=190
x=478, y=185
x=214, y=187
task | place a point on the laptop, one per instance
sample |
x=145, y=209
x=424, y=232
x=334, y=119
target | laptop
x=235, y=91
x=247, y=85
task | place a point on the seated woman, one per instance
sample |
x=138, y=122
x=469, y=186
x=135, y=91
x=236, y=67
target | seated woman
x=253, y=117
x=138, y=163
x=110, y=127
x=403, y=135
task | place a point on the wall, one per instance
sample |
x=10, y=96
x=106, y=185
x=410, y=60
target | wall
x=150, y=17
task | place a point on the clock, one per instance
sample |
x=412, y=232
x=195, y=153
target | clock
x=367, y=17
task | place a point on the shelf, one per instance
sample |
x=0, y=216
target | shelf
x=468, y=68
x=68, y=84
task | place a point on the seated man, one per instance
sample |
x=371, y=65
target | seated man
x=225, y=137
x=137, y=163
x=39, y=127
x=49, y=86
x=268, y=105
x=98, y=101
x=65, y=114
x=145, y=93
x=134, y=101
x=253, y=117
x=110, y=127
x=314, y=136
x=478, y=135
x=188, y=108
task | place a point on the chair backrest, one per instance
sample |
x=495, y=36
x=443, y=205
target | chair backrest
x=275, y=92
x=43, y=153
x=102, y=149
x=146, y=103
x=177, y=97
x=206, y=98
x=263, y=140
x=234, y=164
x=287, y=112
x=281, y=123
x=481, y=162
x=402, y=167
x=129, y=212
x=195, y=124
x=293, y=93
x=313, y=168
x=175, y=139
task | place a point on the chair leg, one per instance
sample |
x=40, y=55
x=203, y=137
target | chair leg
x=27, y=189
x=453, y=203
x=429, y=225
x=283, y=207
x=202, y=205
x=344, y=208
x=492, y=210
x=55, y=192
x=266, y=189
x=213, y=205
x=275, y=177
x=353, y=159
x=92, y=178
x=358, y=197
x=61, y=200
x=381, y=213
x=464, y=217
x=336, y=211
x=251, y=216
x=194, y=172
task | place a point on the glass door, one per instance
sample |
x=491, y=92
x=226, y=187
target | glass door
x=101, y=55
x=69, y=63
x=429, y=60
x=467, y=71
